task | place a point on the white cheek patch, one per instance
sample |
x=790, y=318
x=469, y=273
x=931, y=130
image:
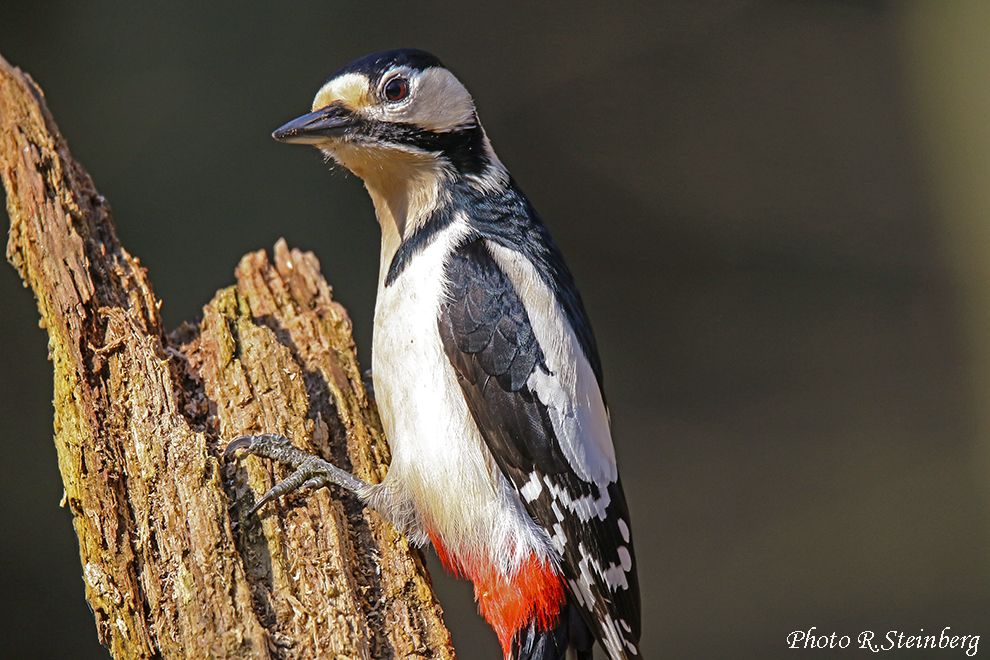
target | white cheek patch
x=441, y=102
x=437, y=101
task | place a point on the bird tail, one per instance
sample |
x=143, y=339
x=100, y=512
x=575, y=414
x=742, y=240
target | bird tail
x=533, y=642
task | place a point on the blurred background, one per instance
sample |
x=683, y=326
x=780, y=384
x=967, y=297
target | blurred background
x=778, y=213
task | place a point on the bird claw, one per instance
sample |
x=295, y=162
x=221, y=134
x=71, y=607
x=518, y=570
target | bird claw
x=309, y=471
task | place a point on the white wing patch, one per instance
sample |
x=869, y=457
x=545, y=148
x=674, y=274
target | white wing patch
x=532, y=488
x=570, y=391
x=559, y=539
x=585, y=508
x=612, y=639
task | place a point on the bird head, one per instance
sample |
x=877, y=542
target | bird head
x=391, y=111
x=404, y=124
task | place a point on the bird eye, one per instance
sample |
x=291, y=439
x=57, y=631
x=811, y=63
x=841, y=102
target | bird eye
x=396, y=89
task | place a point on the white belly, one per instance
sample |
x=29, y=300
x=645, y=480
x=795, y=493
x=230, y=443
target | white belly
x=442, y=479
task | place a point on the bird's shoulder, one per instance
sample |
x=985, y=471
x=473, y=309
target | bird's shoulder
x=506, y=220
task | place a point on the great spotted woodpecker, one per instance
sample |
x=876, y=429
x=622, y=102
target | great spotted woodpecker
x=485, y=369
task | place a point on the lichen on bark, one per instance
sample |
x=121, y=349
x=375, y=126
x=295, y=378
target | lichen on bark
x=174, y=566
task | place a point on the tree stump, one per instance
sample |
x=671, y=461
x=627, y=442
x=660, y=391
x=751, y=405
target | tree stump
x=174, y=565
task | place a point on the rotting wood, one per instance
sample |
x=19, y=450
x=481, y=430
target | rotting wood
x=174, y=567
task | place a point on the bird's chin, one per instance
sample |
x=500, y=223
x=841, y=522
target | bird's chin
x=329, y=155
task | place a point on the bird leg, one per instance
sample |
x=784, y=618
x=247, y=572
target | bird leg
x=309, y=471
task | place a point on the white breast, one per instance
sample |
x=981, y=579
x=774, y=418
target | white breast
x=442, y=479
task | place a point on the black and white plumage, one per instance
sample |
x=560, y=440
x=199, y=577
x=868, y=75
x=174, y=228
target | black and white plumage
x=485, y=368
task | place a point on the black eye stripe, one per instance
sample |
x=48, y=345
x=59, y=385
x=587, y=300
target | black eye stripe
x=396, y=89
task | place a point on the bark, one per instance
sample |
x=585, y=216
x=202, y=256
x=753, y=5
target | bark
x=174, y=565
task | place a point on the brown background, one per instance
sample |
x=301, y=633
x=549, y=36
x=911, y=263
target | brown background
x=777, y=213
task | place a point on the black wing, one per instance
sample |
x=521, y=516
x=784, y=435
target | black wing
x=488, y=338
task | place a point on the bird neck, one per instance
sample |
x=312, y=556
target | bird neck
x=405, y=195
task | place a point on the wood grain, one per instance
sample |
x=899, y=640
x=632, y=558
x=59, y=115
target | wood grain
x=174, y=566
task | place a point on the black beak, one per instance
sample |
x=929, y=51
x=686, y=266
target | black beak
x=332, y=121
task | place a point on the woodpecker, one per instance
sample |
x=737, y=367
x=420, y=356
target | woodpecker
x=485, y=370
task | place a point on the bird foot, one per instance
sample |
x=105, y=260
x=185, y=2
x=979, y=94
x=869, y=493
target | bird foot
x=309, y=471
